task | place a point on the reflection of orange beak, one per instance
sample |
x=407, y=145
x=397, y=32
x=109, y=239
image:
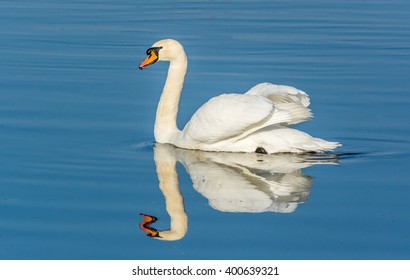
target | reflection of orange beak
x=148, y=219
x=151, y=58
x=145, y=225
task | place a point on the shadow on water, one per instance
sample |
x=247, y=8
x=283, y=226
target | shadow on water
x=231, y=182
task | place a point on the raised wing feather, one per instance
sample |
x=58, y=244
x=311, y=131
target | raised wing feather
x=280, y=94
x=285, y=98
x=227, y=116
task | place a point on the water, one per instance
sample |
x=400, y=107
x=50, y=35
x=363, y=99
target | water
x=76, y=130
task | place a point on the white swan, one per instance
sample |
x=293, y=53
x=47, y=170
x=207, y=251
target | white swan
x=252, y=122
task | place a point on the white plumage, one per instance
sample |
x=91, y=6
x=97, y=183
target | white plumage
x=254, y=121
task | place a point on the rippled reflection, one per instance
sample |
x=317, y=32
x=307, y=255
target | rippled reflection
x=232, y=182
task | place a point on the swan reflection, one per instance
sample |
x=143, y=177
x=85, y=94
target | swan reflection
x=232, y=182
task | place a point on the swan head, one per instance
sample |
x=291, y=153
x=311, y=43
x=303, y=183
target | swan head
x=163, y=50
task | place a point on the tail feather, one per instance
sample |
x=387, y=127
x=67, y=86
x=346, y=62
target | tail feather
x=320, y=145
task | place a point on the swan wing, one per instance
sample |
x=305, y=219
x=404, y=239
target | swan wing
x=280, y=94
x=286, y=98
x=232, y=115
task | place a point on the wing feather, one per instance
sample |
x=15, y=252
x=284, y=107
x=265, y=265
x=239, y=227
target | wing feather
x=287, y=98
x=280, y=94
x=227, y=116
x=230, y=116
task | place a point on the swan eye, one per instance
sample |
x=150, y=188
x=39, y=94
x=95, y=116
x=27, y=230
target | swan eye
x=153, y=49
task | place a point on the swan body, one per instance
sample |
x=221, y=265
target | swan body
x=256, y=121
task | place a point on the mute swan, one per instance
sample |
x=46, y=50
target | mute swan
x=252, y=122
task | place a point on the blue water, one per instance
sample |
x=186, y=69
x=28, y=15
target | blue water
x=76, y=128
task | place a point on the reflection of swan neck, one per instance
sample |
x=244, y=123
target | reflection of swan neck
x=169, y=185
x=165, y=123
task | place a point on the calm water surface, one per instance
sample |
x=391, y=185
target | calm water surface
x=78, y=162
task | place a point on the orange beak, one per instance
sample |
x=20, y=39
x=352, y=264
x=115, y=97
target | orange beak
x=151, y=58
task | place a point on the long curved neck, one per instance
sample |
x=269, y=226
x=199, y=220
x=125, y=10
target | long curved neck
x=165, y=129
